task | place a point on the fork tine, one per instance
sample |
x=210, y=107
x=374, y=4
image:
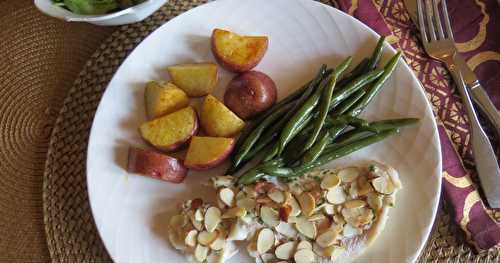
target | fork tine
x=421, y=21
x=437, y=17
x=449, y=31
x=430, y=23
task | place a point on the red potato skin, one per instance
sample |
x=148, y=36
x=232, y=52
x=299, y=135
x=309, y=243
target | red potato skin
x=237, y=68
x=215, y=163
x=250, y=93
x=180, y=144
x=156, y=165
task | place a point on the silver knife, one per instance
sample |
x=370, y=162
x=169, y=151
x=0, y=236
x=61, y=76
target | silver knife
x=478, y=93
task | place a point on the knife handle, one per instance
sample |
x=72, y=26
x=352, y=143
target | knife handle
x=482, y=150
x=485, y=105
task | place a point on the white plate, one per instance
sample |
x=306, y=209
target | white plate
x=131, y=212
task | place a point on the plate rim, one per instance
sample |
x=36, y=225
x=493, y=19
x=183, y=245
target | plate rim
x=429, y=226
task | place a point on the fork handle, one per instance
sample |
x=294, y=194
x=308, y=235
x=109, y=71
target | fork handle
x=484, y=156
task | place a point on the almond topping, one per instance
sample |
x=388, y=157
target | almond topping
x=304, y=244
x=286, y=229
x=327, y=239
x=206, y=238
x=354, y=204
x=307, y=203
x=190, y=239
x=330, y=181
x=269, y=216
x=306, y=228
x=348, y=175
x=285, y=251
x=212, y=218
x=336, y=195
x=383, y=185
x=276, y=195
x=234, y=212
x=304, y=256
x=265, y=240
x=200, y=253
x=226, y=195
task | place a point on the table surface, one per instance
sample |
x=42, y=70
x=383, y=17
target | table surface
x=40, y=57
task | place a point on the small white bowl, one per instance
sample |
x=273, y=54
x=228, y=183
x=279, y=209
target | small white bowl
x=126, y=16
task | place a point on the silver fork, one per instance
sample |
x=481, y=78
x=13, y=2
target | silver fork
x=440, y=45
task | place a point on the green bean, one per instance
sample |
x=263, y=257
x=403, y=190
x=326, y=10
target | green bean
x=296, y=94
x=277, y=171
x=275, y=150
x=257, y=132
x=250, y=176
x=324, y=104
x=358, y=70
x=373, y=127
x=383, y=125
x=314, y=152
x=377, y=86
x=292, y=126
x=256, y=172
x=354, y=86
x=377, y=54
x=328, y=156
x=349, y=102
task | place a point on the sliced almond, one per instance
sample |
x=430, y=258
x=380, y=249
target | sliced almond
x=374, y=200
x=200, y=253
x=246, y=203
x=354, y=203
x=284, y=212
x=330, y=181
x=267, y=258
x=304, y=244
x=218, y=244
x=348, y=175
x=354, y=190
x=383, y=185
x=250, y=191
x=234, y=212
x=285, y=250
x=198, y=225
x=365, y=190
x=191, y=238
x=247, y=219
x=206, y=238
x=393, y=174
x=178, y=221
x=222, y=181
x=351, y=231
x=327, y=239
x=304, y=256
x=269, y=216
x=329, y=209
x=276, y=195
x=316, y=217
x=175, y=240
x=333, y=252
x=339, y=220
x=286, y=229
x=239, y=231
x=389, y=200
x=292, y=219
x=212, y=218
x=198, y=215
x=306, y=228
x=336, y=195
x=307, y=203
x=294, y=205
x=226, y=195
x=265, y=240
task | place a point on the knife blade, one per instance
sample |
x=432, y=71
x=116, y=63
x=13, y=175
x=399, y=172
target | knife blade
x=478, y=93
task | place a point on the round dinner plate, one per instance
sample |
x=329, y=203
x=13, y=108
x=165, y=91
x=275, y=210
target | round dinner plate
x=131, y=212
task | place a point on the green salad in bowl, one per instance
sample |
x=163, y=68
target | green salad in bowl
x=96, y=7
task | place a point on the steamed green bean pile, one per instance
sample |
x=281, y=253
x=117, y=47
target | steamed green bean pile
x=318, y=123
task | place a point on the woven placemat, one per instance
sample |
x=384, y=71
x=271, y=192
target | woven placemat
x=71, y=232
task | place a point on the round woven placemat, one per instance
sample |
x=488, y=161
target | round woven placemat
x=71, y=233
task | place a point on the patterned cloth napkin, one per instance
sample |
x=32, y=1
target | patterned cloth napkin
x=476, y=25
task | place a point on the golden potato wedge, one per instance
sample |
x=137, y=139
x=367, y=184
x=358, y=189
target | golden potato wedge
x=208, y=152
x=219, y=121
x=238, y=53
x=162, y=98
x=195, y=79
x=170, y=132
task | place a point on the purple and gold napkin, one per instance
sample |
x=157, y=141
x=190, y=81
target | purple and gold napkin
x=476, y=25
